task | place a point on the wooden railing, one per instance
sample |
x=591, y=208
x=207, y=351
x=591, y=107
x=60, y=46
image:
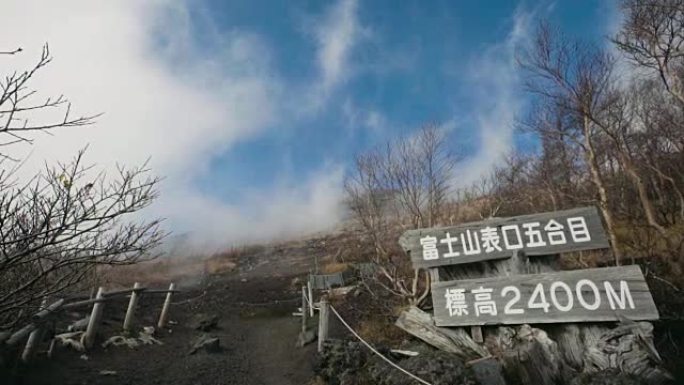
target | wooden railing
x=33, y=332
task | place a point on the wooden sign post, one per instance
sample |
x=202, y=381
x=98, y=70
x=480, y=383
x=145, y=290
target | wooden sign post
x=537, y=234
x=590, y=295
x=503, y=271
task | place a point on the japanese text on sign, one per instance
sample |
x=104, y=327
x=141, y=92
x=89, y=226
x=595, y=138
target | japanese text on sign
x=571, y=296
x=509, y=237
x=496, y=238
x=558, y=294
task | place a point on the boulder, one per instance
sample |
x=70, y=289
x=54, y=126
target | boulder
x=349, y=362
x=306, y=338
x=436, y=367
x=607, y=377
x=340, y=362
x=207, y=343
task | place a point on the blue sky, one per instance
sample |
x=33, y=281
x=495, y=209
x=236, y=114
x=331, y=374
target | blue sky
x=411, y=65
x=252, y=110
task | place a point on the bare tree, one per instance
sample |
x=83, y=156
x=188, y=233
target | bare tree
x=578, y=79
x=419, y=172
x=437, y=162
x=406, y=178
x=652, y=36
x=18, y=103
x=62, y=224
x=661, y=144
x=628, y=126
x=368, y=198
x=59, y=225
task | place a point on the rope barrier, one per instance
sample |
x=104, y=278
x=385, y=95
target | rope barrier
x=313, y=304
x=275, y=301
x=375, y=351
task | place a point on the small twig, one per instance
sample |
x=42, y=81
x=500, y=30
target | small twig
x=11, y=52
x=189, y=299
x=672, y=285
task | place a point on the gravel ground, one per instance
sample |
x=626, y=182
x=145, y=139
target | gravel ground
x=256, y=329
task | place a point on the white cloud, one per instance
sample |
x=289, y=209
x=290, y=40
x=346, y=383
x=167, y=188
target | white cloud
x=336, y=34
x=375, y=121
x=176, y=105
x=286, y=211
x=494, y=79
x=364, y=118
x=336, y=37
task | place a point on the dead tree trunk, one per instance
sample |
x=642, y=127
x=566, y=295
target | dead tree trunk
x=599, y=183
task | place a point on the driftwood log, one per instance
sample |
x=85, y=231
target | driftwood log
x=453, y=340
x=543, y=354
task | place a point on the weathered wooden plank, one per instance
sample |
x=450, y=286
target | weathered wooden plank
x=568, y=296
x=327, y=281
x=304, y=312
x=537, y=234
x=475, y=331
x=421, y=325
x=323, y=322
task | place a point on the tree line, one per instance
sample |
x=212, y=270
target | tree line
x=609, y=119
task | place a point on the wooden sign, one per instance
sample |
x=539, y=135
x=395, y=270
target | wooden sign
x=536, y=234
x=590, y=295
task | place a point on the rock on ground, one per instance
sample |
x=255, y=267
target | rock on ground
x=607, y=377
x=345, y=362
x=206, y=343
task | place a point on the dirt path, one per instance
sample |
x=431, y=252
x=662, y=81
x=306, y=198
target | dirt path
x=256, y=329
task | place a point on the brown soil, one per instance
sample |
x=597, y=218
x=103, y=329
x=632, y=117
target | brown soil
x=256, y=328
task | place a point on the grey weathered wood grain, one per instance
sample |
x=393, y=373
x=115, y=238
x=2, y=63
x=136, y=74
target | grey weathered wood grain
x=475, y=331
x=323, y=322
x=163, y=316
x=533, y=357
x=38, y=317
x=132, y=303
x=34, y=338
x=410, y=240
x=304, y=309
x=327, y=281
x=644, y=307
x=94, y=320
x=421, y=325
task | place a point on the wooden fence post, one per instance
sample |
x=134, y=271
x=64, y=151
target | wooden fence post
x=304, y=309
x=94, y=321
x=311, y=307
x=34, y=338
x=19, y=335
x=324, y=312
x=165, y=308
x=128, y=320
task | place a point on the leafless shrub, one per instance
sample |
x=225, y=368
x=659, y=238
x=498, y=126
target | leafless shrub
x=404, y=184
x=58, y=226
